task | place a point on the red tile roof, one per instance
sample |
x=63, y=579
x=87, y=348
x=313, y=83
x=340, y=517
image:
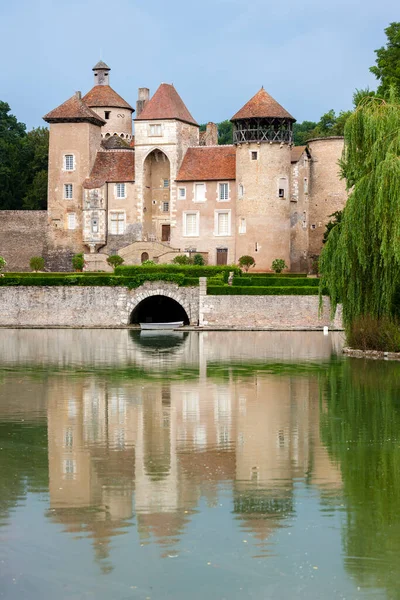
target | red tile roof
x=166, y=104
x=105, y=96
x=208, y=163
x=262, y=105
x=73, y=110
x=112, y=167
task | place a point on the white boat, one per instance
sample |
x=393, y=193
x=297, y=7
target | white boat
x=171, y=325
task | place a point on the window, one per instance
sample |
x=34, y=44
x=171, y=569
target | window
x=222, y=222
x=305, y=185
x=166, y=183
x=199, y=192
x=282, y=187
x=68, y=191
x=242, y=225
x=71, y=220
x=69, y=468
x=68, y=438
x=120, y=190
x=69, y=162
x=165, y=206
x=182, y=193
x=191, y=224
x=254, y=156
x=107, y=114
x=223, y=191
x=241, y=190
x=155, y=130
x=117, y=223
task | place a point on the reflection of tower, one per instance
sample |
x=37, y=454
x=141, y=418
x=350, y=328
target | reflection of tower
x=91, y=461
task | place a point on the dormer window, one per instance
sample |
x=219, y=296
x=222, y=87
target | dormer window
x=155, y=130
x=69, y=162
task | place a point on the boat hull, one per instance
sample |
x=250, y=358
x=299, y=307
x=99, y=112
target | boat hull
x=161, y=326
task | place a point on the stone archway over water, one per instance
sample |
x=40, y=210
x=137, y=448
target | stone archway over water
x=158, y=309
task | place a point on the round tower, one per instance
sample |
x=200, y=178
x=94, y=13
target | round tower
x=109, y=105
x=263, y=135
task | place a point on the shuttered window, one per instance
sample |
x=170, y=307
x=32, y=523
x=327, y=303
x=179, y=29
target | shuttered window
x=191, y=224
x=200, y=192
x=117, y=223
x=71, y=220
x=223, y=225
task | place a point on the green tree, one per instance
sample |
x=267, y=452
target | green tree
x=225, y=133
x=337, y=218
x=303, y=132
x=387, y=68
x=360, y=262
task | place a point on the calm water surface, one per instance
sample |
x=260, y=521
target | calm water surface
x=196, y=465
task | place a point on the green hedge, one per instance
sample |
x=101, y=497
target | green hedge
x=280, y=275
x=261, y=291
x=61, y=274
x=275, y=281
x=93, y=280
x=188, y=270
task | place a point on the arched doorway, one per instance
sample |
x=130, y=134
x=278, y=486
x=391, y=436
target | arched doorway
x=156, y=207
x=144, y=257
x=158, y=309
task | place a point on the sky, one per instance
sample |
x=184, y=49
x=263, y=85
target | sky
x=309, y=55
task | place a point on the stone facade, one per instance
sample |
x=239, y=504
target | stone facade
x=22, y=236
x=108, y=190
x=113, y=307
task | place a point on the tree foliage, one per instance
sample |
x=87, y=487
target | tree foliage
x=225, y=132
x=23, y=163
x=387, y=68
x=360, y=262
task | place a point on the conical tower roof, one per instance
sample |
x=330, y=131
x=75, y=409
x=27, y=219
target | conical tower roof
x=73, y=110
x=166, y=104
x=262, y=105
x=101, y=65
x=104, y=96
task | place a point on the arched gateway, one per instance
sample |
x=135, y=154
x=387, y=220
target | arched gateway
x=163, y=302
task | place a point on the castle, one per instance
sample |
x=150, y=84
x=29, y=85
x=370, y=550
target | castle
x=170, y=189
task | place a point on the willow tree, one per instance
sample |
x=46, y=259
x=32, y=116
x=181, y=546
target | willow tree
x=360, y=262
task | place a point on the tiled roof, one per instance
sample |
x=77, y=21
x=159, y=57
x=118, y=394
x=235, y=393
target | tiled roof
x=104, y=96
x=296, y=153
x=111, y=167
x=166, y=104
x=262, y=105
x=101, y=65
x=114, y=142
x=72, y=111
x=208, y=163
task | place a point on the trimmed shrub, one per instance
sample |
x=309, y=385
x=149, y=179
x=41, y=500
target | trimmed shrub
x=269, y=274
x=115, y=260
x=278, y=265
x=214, y=290
x=371, y=333
x=78, y=261
x=181, y=259
x=36, y=263
x=3, y=263
x=246, y=261
x=148, y=262
x=198, y=259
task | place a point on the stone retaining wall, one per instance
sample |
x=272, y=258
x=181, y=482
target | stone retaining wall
x=112, y=307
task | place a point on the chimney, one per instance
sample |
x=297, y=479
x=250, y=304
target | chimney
x=78, y=95
x=143, y=98
x=211, y=135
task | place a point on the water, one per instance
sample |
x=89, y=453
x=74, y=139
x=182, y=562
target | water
x=216, y=465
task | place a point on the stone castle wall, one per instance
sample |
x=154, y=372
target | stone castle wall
x=112, y=307
x=22, y=236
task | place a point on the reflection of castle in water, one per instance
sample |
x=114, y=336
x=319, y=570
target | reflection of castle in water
x=153, y=449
